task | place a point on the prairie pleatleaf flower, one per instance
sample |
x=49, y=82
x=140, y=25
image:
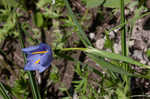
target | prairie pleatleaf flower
x=38, y=57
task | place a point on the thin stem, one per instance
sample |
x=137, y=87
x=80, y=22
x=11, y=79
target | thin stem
x=71, y=49
x=124, y=49
x=123, y=31
x=4, y=92
x=81, y=33
x=135, y=96
x=33, y=83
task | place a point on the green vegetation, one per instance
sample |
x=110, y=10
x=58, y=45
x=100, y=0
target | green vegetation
x=65, y=25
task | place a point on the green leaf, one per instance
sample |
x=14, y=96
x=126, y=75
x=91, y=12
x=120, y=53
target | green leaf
x=4, y=92
x=136, y=16
x=42, y=3
x=114, y=56
x=62, y=89
x=120, y=92
x=9, y=3
x=39, y=19
x=93, y=3
x=114, y=3
x=33, y=83
x=114, y=67
x=81, y=34
x=148, y=53
x=54, y=75
x=20, y=88
x=106, y=65
x=108, y=42
x=66, y=98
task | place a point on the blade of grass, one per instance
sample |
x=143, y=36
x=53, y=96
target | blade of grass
x=114, y=68
x=126, y=79
x=109, y=55
x=123, y=31
x=4, y=92
x=77, y=61
x=105, y=65
x=114, y=56
x=81, y=33
x=27, y=33
x=33, y=83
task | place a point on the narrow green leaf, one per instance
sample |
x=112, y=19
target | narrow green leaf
x=148, y=53
x=108, y=55
x=106, y=65
x=114, y=68
x=93, y=3
x=33, y=83
x=114, y=3
x=123, y=30
x=92, y=69
x=115, y=57
x=4, y=92
x=81, y=33
x=39, y=19
x=9, y=3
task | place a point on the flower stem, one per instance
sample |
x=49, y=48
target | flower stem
x=71, y=49
x=33, y=83
x=123, y=31
x=4, y=92
x=124, y=49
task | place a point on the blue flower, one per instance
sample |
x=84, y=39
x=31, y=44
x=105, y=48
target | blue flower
x=38, y=57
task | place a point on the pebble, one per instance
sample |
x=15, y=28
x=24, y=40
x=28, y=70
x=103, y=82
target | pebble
x=143, y=61
x=92, y=36
x=112, y=34
x=75, y=96
x=100, y=43
x=131, y=43
x=117, y=48
x=1, y=57
x=137, y=54
x=139, y=44
x=127, y=11
x=116, y=30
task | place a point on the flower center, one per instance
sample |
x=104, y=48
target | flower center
x=36, y=62
x=39, y=52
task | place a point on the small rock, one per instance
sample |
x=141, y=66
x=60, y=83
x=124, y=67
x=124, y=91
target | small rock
x=143, y=61
x=116, y=30
x=112, y=34
x=127, y=11
x=100, y=43
x=92, y=36
x=117, y=48
x=131, y=43
x=137, y=54
x=108, y=50
x=75, y=96
x=139, y=44
x=1, y=57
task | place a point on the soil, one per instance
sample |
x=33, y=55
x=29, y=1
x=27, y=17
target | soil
x=138, y=42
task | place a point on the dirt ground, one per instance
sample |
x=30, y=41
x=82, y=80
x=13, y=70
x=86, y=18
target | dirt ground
x=138, y=42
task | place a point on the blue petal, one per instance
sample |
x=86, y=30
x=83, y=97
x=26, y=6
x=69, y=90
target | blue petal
x=31, y=67
x=30, y=49
x=33, y=58
x=41, y=68
x=46, y=59
x=44, y=46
